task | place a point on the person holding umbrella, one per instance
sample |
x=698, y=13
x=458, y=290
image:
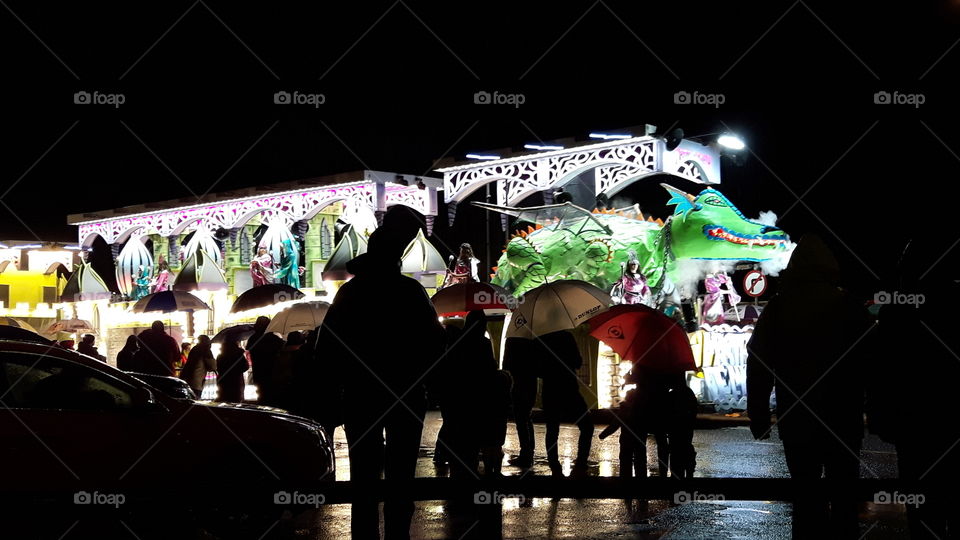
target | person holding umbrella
x=158, y=353
x=559, y=358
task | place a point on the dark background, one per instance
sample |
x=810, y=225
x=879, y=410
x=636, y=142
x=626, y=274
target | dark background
x=399, y=77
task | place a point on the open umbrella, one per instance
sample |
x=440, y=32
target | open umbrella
x=168, y=302
x=70, y=326
x=239, y=332
x=200, y=272
x=17, y=323
x=265, y=295
x=458, y=300
x=645, y=337
x=559, y=305
x=304, y=316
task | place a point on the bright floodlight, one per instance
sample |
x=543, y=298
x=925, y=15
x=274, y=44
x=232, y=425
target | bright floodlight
x=732, y=142
x=543, y=147
x=482, y=156
x=608, y=136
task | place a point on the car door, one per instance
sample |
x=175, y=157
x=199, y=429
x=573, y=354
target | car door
x=64, y=425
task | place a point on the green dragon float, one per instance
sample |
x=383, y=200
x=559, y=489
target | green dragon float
x=565, y=241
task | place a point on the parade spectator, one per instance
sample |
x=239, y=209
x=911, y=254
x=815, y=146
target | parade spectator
x=493, y=425
x=642, y=413
x=819, y=384
x=125, y=358
x=281, y=379
x=468, y=406
x=921, y=326
x=158, y=353
x=263, y=347
x=315, y=390
x=519, y=360
x=231, y=367
x=184, y=354
x=88, y=348
x=560, y=359
x=199, y=362
x=66, y=344
x=382, y=371
x=438, y=384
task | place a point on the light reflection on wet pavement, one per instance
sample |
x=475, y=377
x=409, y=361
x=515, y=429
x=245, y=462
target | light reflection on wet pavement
x=724, y=452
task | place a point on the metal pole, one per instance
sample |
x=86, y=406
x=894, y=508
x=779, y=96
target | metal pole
x=488, y=261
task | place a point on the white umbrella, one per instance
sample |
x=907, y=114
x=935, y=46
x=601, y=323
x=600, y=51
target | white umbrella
x=304, y=316
x=560, y=305
x=70, y=326
x=17, y=323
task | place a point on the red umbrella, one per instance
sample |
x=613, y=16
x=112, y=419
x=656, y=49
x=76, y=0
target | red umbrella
x=459, y=299
x=645, y=337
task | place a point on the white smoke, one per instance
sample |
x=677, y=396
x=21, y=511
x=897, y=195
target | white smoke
x=767, y=218
x=774, y=265
x=690, y=272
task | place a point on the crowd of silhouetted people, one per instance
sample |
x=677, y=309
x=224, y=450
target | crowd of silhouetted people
x=382, y=349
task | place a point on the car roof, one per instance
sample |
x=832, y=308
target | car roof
x=59, y=352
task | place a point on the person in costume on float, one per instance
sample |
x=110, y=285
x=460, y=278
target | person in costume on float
x=261, y=268
x=161, y=281
x=717, y=286
x=289, y=271
x=632, y=287
x=464, y=268
x=141, y=284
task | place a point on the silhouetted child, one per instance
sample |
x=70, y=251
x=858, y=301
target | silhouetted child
x=682, y=415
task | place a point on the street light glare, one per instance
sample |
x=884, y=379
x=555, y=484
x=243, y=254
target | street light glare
x=732, y=142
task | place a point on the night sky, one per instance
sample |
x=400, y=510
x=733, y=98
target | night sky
x=798, y=80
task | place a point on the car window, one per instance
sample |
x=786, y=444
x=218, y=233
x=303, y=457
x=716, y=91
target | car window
x=30, y=381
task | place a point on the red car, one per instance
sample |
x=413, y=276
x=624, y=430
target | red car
x=70, y=422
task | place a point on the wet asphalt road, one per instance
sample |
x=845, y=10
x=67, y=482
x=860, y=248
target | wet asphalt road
x=723, y=452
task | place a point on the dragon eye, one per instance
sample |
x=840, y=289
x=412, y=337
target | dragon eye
x=714, y=201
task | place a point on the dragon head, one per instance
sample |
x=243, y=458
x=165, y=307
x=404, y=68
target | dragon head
x=710, y=227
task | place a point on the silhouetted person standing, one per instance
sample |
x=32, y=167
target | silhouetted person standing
x=264, y=347
x=87, y=346
x=158, y=352
x=912, y=404
x=199, y=362
x=818, y=375
x=560, y=359
x=125, y=358
x=231, y=367
x=519, y=359
x=382, y=337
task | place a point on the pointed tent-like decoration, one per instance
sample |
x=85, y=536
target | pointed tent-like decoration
x=420, y=256
x=84, y=284
x=202, y=240
x=351, y=244
x=200, y=272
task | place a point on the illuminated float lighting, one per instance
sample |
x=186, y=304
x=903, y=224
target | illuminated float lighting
x=543, y=147
x=731, y=141
x=482, y=156
x=609, y=136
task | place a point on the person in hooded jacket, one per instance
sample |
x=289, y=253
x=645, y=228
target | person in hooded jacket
x=199, y=362
x=819, y=383
x=382, y=337
x=263, y=347
x=908, y=405
x=87, y=346
x=125, y=358
x=158, y=353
